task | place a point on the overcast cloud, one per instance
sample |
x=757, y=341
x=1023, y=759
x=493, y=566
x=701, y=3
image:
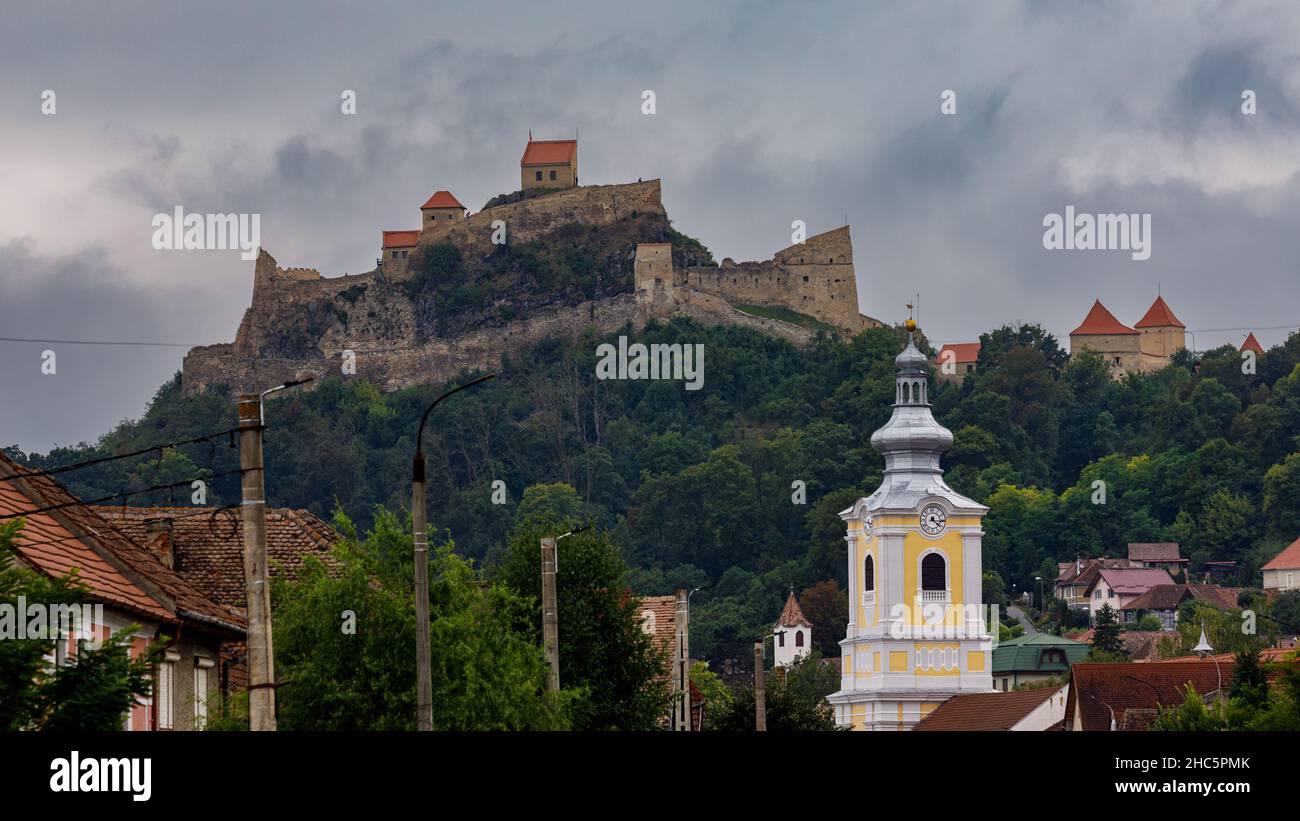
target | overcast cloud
x=767, y=112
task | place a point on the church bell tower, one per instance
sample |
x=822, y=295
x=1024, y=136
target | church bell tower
x=918, y=631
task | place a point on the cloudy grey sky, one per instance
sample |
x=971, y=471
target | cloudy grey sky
x=767, y=112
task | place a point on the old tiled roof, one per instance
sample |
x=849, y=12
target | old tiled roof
x=1099, y=689
x=1252, y=344
x=114, y=568
x=1160, y=597
x=401, y=239
x=1288, y=559
x=549, y=152
x=664, y=609
x=1159, y=316
x=791, y=615
x=209, y=549
x=986, y=711
x=1101, y=321
x=1268, y=655
x=1131, y=581
x=442, y=199
x=1089, y=570
x=963, y=352
x=1025, y=654
x=1154, y=552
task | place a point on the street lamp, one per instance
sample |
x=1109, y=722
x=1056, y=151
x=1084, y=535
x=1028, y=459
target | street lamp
x=1203, y=647
x=419, y=526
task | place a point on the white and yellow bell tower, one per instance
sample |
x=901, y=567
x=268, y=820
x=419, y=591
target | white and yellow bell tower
x=918, y=631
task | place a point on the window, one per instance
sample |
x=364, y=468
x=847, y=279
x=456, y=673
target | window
x=552, y=173
x=539, y=176
x=970, y=368
x=166, y=691
x=394, y=255
x=201, y=668
x=1096, y=594
x=907, y=392
x=934, y=572
x=1117, y=360
x=780, y=639
x=869, y=574
x=798, y=638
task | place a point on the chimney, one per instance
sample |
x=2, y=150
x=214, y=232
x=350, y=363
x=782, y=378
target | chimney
x=158, y=540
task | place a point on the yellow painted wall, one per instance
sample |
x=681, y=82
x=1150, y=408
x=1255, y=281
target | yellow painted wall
x=898, y=661
x=940, y=645
x=975, y=661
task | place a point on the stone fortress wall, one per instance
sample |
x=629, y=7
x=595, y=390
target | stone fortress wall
x=368, y=315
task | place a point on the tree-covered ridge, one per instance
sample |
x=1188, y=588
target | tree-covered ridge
x=696, y=486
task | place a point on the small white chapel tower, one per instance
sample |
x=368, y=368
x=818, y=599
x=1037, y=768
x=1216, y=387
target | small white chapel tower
x=791, y=635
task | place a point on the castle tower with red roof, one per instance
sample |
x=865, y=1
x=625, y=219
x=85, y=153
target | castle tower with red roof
x=1161, y=334
x=1252, y=344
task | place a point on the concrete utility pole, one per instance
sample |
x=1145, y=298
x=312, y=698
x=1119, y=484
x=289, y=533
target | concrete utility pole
x=550, y=619
x=257, y=592
x=420, y=541
x=682, y=676
x=760, y=694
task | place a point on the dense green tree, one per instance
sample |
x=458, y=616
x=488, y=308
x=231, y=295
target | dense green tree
x=1106, y=633
x=795, y=698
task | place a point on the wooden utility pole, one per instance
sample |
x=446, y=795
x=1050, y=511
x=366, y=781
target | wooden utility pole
x=420, y=535
x=760, y=694
x=261, y=656
x=682, y=673
x=550, y=618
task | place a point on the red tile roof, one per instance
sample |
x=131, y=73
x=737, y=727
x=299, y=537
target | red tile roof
x=664, y=633
x=792, y=615
x=115, y=569
x=549, y=152
x=1268, y=655
x=401, y=239
x=963, y=352
x=1131, y=581
x=1252, y=344
x=1288, y=559
x=209, y=549
x=986, y=711
x=442, y=199
x=1159, y=316
x=1101, y=321
x=1169, y=596
x=1133, y=693
x=1154, y=552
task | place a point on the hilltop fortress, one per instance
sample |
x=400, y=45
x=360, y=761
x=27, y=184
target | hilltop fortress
x=302, y=323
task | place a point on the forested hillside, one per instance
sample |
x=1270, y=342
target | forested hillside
x=698, y=486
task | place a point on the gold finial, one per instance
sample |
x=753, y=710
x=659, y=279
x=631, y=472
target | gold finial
x=911, y=323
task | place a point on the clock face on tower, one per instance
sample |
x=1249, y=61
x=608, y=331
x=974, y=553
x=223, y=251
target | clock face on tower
x=866, y=528
x=933, y=520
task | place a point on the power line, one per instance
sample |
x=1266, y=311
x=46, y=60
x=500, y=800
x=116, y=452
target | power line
x=100, y=342
x=20, y=541
x=125, y=495
x=100, y=460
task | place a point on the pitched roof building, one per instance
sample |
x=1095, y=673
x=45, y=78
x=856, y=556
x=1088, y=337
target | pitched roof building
x=1282, y=572
x=960, y=358
x=1156, y=554
x=1118, y=586
x=1129, y=696
x=1163, y=601
x=1252, y=344
x=207, y=547
x=1038, y=709
x=549, y=164
x=1149, y=346
x=134, y=588
x=792, y=633
x=1034, y=658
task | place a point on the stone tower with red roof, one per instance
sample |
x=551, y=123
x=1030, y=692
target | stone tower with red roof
x=1149, y=346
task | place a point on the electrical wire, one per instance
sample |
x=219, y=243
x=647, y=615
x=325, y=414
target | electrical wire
x=125, y=495
x=77, y=465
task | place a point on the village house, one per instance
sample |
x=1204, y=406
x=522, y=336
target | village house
x=1110, y=697
x=1074, y=578
x=134, y=589
x=1118, y=586
x=1282, y=572
x=1039, y=657
x=1157, y=554
x=1163, y=601
x=441, y=209
x=659, y=620
x=206, y=548
x=1026, y=710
